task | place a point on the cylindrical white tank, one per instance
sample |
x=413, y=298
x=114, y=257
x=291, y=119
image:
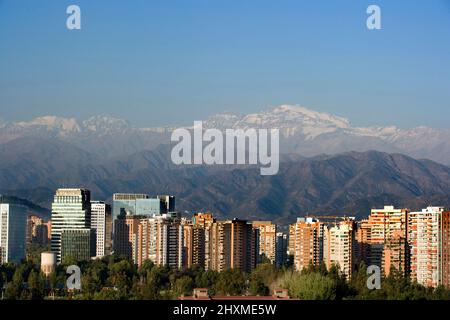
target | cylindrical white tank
x=48, y=262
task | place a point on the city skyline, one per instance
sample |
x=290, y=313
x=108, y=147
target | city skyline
x=391, y=244
x=387, y=232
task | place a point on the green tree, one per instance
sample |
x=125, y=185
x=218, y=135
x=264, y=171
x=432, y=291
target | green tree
x=206, y=279
x=183, y=286
x=52, y=283
x=230, y=282
x=15, y=287
x=261, y=278
x=310, y=286
x=36, y=285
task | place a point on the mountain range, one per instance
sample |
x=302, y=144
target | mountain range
x=303, y=131
x=327, y=166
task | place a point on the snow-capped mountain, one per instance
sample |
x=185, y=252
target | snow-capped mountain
x=101, y=135
x=105, y=125
x=291, y=120
x=309, y=133
x=303, y=131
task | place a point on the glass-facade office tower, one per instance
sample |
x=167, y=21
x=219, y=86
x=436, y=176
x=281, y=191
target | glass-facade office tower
x=136, y=205
x=168, y=203
x=78, y=244
x=71, y=209
x=13, y=221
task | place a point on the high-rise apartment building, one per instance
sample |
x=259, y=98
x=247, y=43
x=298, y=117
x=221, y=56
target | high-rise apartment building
x=307, y=242
x=199, y=245
x=101, y=222
x=291, y=244
x=362, y=242
x=194, y=244
x=429, y=247
x=203, y=223
x=71, y=209
x=233, y=245
x=126, y=236
x=159, y=239
x=389, y=239
x=188, y=239
x=170, y=241
x=13, y=219
x=267, y=240
x=339, y=246
x=147, y=236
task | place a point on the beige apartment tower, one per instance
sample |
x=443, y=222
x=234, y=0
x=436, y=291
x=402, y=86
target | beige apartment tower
x=267, y=239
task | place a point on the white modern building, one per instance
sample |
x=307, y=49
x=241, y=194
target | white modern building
x=101, y=222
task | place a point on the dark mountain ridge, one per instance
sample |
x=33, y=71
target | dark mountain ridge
x=350, y=183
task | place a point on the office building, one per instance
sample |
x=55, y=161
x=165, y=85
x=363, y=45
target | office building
x=137, y=205
x=77, y=244
x=13, y=219
x=281, y=249
x=71, y=209
x=168, y=203
x=101, y=222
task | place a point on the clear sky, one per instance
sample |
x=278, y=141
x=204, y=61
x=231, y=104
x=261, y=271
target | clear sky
x=157, y=62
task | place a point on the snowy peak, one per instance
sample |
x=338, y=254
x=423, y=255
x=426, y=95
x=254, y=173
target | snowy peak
x=65, y=126
x=290, y=119
x=284, y=116
x=68, y=125
x=295, y=113
x=223, y=120
x=105, y=124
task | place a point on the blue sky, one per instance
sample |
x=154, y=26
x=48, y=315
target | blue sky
x=175, y=61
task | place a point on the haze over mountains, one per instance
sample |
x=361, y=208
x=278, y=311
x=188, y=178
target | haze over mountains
x=303, y=131
x=108, y=155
